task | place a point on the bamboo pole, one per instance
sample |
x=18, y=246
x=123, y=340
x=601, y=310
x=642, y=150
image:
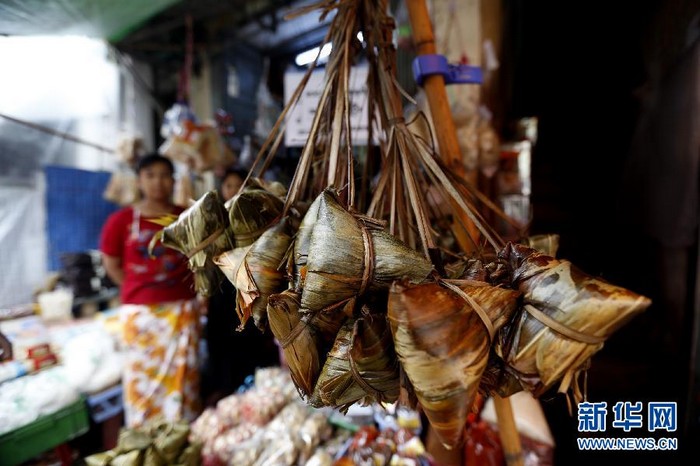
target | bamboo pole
x=446, y=134
x=510, y=439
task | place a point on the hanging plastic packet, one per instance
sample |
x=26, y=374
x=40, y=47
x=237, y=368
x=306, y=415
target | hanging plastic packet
x=174, y=118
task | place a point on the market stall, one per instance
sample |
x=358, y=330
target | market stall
x=62, y=380
x=266, y=423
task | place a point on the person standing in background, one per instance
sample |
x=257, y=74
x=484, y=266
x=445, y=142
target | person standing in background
x=233, y=355
x=159, y=309
x=231, y=182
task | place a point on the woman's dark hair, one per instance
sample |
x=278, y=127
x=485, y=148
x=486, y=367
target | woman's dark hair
x=152, y=159
x=239, y=172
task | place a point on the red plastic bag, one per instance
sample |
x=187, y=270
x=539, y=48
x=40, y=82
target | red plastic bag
x=483, y=448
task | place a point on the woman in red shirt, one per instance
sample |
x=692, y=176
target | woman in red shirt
x=160, y=310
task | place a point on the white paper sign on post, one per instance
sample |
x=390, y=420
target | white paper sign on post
x=300, y=118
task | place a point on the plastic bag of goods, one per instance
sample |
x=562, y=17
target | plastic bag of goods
x=239, y=445
x=209, y=425
x=229, y=409
x=260, y=406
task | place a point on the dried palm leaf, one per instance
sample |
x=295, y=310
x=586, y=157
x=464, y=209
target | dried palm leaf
x=301, y=339
x=256, y=272
x=230, y=261
x=566, y=317
x=442, y=336
x=349, y=256
x=361, y=366
x=200, y=232
x=407, y=394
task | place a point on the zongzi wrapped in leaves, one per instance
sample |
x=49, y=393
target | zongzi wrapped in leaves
x=200, y=232
x=493, y=272
x=256, y=272
x=251, y=212
x=498, y=273
x=302, y=242
x=273, y=187
x=467, y=269
x=565, y=318
x=348, y=256
x=325, y=324
x=301, y=337
x=442, y=335
x=361, y=366
x=338, y=356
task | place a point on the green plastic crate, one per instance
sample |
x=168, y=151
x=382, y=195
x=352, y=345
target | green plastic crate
x=44, y=434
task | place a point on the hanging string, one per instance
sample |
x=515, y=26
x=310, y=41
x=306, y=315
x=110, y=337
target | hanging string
x=53, y=132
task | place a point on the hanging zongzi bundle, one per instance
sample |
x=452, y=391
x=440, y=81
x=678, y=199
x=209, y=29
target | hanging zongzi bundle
x=566, y=317
x=200, y=233
x=442, y=334
x=256, y=272
x=361, y=366
x=349, y=256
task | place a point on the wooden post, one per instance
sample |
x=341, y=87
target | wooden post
x=434, y=86
x=510, y=438
x=445, y=132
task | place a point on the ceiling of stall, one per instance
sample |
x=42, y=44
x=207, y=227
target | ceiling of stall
x=155, y=30
x=219, y=23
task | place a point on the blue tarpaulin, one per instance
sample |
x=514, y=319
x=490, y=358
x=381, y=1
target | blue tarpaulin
x=75, y=210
